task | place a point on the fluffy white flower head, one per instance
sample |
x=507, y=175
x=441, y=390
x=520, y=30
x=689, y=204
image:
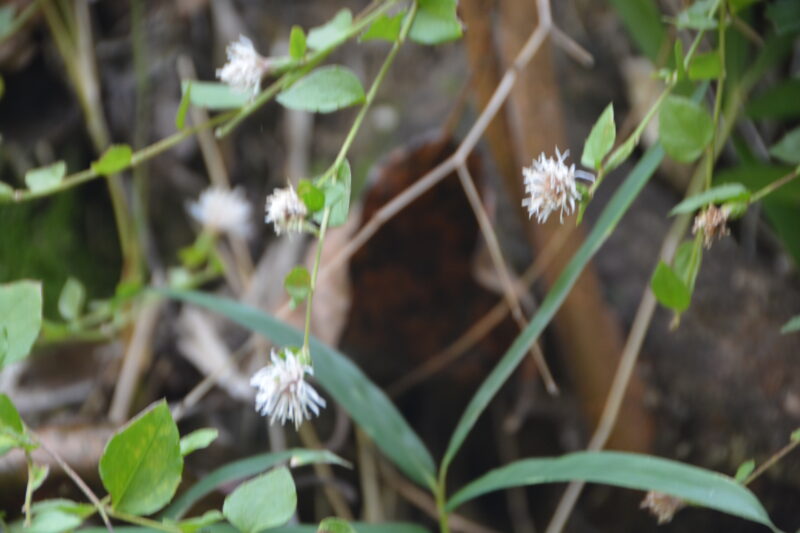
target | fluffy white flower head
x=245, y=67
x=283, y=393
x=223, y=211
x=550, y=185
x=286, y=211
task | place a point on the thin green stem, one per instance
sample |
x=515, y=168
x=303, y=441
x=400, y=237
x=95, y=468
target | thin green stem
x=28, y=491
x=780, y=454
x=718, y=97
x=444, y=519
x=772, y=187
x=314, y=272
x=313, y=60
x=142, y=521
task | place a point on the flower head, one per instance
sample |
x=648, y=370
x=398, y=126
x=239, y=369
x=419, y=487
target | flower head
x=223, y=211
x=550, y=184
x=245, y=67
x=712, y=223
x=286, y=211
x=283, y=393
x=662, y=506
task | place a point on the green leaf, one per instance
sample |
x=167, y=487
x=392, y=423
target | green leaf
x=785, y=15
x=116, y=158
x=714, y=195
x=791, y=326
x=335, y=525
x=384, y=28
x=669, y=289
x=6, y=190
x=600, y=140
x=37, y=475
x=298, y=283
x=55, y=516
x=11, y=428
x=361, y=527
x=738, y=5
x=311, y=195
x=744, y=470
x=191, y=525
x=324, y=90
x=364, y=402
x=197, y=440
x=642, y=19
x=142, y=464
x=337, y=197
x=297, y=43
x=214, y=96
x=685, y=128
x=788, y=148
x=436, y=22
x=245, y=468
x=266, y=501
x=795, y=436
x=183, y=108
x=687, y=261
x=603, y=228
x=332, y=32
x=705, y=66
x=20, y=318
x=698, y=16
x=630, y=470
x=71, y=299
x=779, y=101
x=45, y=178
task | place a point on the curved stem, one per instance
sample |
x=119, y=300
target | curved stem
x=314, y=271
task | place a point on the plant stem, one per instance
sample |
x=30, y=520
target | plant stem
x=718, y=97
x=772, y=187
x=780, y=454
x=142, y=521
x=444, y=522
x=314, y=271
x=313, y=60
x=28, y=491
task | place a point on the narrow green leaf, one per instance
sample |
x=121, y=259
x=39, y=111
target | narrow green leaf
x=788, y=148
x=54, y=516
x=266, y=501
x=744, y=470
x=706, y=66
x=621, y=154
x=20, y=317
x=214, y=96
x=245, y=468
x=436, y=22
x=714, y=195
x=197, y=440
x=634, y=471
x=669, y=289
x=602, y=229
x=361, y=527
x=11, y=428
x=600, y=140
x=45, y=178
x=142, y=464
x=385, y=28
x=685, y=128
x=791, y=326
x=297, y=43
x=183, y=108
x=364, y=402
x=687, y=261
x=298, y=283
x=785, y=15
x=71, y=299
x=331, y=32
x=779, y=101
x=116, y=158
x=335, y=525
x=191, y=525
x=324, y=90
x=311, y=195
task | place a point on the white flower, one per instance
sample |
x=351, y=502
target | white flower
x=245, y=67
x=551, y=186
x=286, y=211
x=283, y=392
x=223, y=211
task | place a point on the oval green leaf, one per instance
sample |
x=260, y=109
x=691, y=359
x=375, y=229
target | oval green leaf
x=629, y=470
x=266, y=501
x=706, y=66
x=142, y=464
x=788, y=148
x=45, y=178
x=54, y=516
x=715, y=195
x=214, y=96
x=364, y=402
x=311, y=195
x=685, y=128
x=20, y=319
x=330, y=33
x=324, y=90
x=600, y=140
x=245, y=468
x=669, y=289
x=385, y=28
x=337, y=197
x=436, y=22
x=297, y=43
x=197, y=440
x=70, y=301
x=11, y=428
x=116, y=158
